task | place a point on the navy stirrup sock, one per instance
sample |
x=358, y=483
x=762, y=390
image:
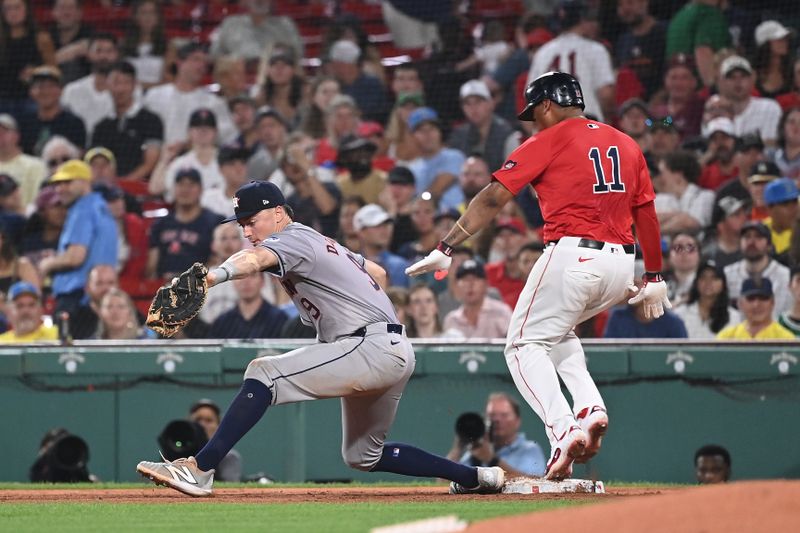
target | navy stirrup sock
x=399, y=458
x=245, y=410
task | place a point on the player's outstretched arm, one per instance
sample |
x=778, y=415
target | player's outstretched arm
x=483, y=208
x=242, y=264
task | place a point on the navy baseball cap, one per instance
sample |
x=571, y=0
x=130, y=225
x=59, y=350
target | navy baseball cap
x=471, y=267
x=757, y=287
x=254, y=197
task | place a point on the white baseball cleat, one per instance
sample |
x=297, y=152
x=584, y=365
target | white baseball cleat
x=568, y=448
x=490, y=481
x=594, y=422
x=182, y=475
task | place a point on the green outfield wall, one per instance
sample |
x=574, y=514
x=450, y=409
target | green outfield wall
x=664, y=402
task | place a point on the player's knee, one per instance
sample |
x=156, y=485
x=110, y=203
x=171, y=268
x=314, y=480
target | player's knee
x=260, y=369
x=358, y=461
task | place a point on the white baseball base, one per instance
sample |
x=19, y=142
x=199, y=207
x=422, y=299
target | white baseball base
x=529, y=485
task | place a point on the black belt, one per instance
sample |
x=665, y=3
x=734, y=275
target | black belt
x=598, y=245
x=390, y=328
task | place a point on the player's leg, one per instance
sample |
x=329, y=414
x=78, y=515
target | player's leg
x=366, y=419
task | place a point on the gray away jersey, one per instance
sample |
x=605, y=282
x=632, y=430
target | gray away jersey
x=328, y=283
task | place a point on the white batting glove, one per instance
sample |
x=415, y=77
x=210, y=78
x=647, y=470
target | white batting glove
x=438, y=260
x=654, y=295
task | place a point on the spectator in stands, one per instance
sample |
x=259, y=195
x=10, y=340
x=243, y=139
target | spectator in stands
x=478, y=316
x=48, y=118
x=14, y=268
x=133, y=134
x=243, y=111
x=406, y=80
x=249, y=34
x=664, y=138
x=184, y=235
x=422, y=318
x=757, y=305
x=634, y=120
x=22, y=47
x=791, y=98
x=85, y=319
x=118, y=318
x=175, y=102
x=104, y=176
x=207, y=413
x=283, y=88
x=727, y=219
x=787, y=154
x=484, y=133
x=413, y=23
x=436, y=170
x=707, y=309
x=527, y=257
x=399, y=298
x=717, y=160
x=474, y=176
x=132, y=233
x=641, y=47
x=507, y=275
x=58, y=150
x=272, y=130
x=508, y=235
x=752, y=114
x=25, y=315
x=715, y=106
x=791, y=318
x=232, y=164
x=144, y=43
x=88, y=97
x=374, y=226
x=358, y=177
x=341, y=119
x=576, y=51
x=12, y=220
x=202, y=157
x=89, y=237
x=402, y=145
x=230, y=76
x=41, y=233
x=313, y=122
x=348, y=236
x=629, y=321
x=681, y=101
x=748, y=156
x=505, y=445
x=346, y=66
x=699, y=30
x=684, y=258
x=348, y=27
x=70, y=35
x=780, y=197
x=226, y=241
x=28, y=171
x=423, y=213
x=682, y=205
x=253, y=317
x=448, y=295
x=763, y=174
x=314, y=199
x=773, y=59
x=756, y=244
x=712, y=464
x=401, y=189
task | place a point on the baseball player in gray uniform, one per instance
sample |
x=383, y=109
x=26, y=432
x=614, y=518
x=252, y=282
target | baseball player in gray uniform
x=363, y=355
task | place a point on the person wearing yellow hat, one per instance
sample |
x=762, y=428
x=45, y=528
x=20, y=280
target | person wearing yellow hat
x=89, y=236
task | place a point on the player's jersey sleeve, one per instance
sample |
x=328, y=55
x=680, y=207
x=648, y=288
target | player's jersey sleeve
x=295, y=252
x=526, y=163
x=644, y=184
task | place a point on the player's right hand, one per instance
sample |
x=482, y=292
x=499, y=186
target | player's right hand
x=434, y=261
x=654, y=295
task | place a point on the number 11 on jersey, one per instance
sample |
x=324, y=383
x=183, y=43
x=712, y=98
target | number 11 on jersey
x=602, y=187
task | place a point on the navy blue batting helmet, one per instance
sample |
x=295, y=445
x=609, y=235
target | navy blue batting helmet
x=560, y=87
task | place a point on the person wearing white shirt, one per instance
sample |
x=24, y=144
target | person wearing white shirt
x=88, y=97
x=708, y=309
x=174, y=102
x=680, y=204
x=233, y=167
x=202, y=157
x=575, y=52
x=751, y=114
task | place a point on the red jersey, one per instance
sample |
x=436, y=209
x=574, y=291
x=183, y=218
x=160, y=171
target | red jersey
x=588, y=177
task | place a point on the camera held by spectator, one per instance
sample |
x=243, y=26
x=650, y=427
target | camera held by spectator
x=63, y=458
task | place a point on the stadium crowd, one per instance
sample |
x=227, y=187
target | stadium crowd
x=125, y=130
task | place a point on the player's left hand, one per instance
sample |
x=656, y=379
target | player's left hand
x=654, y=295
x=438, y=260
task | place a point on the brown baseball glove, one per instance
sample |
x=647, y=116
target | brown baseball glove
x=175, y=304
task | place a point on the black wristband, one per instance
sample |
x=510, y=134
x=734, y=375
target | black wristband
x=652, y=277
x=445, y=248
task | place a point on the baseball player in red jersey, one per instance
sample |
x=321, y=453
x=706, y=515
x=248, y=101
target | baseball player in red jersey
x=593, y=185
